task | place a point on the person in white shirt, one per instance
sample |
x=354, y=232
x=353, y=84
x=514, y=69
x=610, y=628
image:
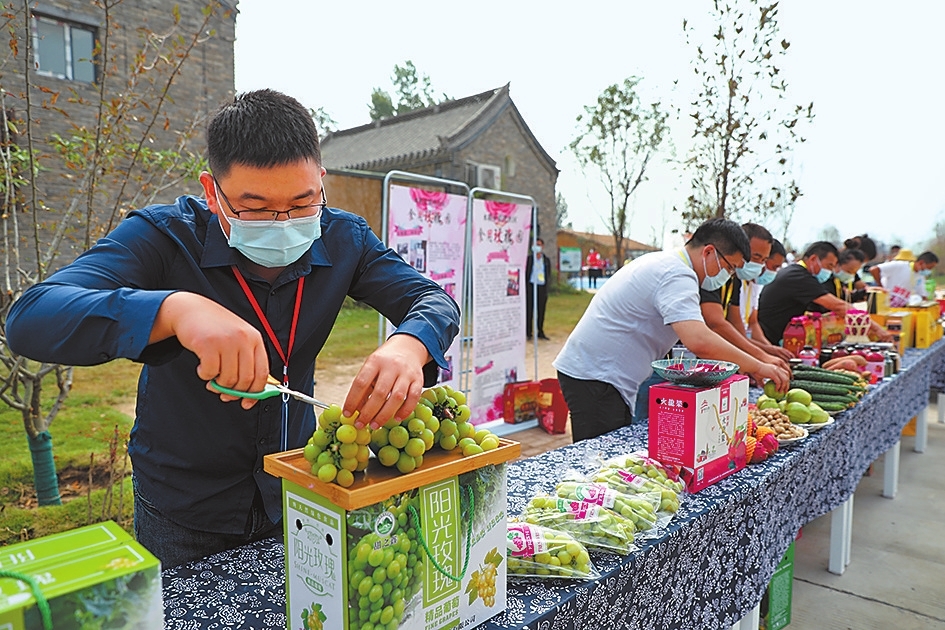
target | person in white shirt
x=638, y=316
x=904, y=276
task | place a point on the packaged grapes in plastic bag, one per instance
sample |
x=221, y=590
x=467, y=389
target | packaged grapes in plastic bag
x=592, y=525
x=639, y=470
x=542, y=552
x=638, y=509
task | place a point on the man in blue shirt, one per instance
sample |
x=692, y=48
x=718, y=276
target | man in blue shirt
x=244, y=284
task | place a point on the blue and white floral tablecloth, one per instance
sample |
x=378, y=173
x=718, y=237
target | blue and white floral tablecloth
x=706, y=570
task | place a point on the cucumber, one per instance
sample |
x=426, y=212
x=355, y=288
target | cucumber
x=822, y=375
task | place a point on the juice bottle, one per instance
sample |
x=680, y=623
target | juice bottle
x=876, y=364
x=808, y=355
x=817, y=340
x=795, y=335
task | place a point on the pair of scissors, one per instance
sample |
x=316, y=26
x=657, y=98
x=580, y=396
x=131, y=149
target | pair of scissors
x=272, y=388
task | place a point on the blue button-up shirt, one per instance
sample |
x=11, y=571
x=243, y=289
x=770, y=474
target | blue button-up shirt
x=197, y=459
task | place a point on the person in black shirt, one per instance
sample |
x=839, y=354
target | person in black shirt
x=845, y=283
x=796, y=286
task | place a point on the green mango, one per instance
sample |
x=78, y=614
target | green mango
x=799, y=396
x=767, y=403
x=817, y=415
x=798, y=413
x=771, y=392
x=782, y=404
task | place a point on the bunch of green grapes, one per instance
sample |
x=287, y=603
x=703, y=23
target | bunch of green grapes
x=337, y=449
x=485, y=584
x=592, y=525
x=545, y=552
x=384, y=573
x=450, y=415
x=402, y=444
x=639, y=510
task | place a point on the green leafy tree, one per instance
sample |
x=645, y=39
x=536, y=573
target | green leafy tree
x=414, y=91
x=323, y=121
x=561, y=212
x=740, y=161
x=114, y=162
x=619, y=137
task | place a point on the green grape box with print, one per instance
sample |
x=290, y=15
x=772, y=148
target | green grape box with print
x=90, y=577
x=421, y=551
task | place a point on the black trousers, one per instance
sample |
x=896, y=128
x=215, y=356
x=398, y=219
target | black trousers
x=530, y=307
x=596, y=407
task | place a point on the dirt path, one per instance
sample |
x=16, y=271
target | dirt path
x=332, y=384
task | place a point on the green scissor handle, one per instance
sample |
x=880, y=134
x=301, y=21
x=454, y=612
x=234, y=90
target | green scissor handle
x=268, y=391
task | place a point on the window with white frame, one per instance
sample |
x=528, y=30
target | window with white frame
x=63, y=49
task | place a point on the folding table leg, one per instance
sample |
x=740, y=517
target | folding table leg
x=921, y=430
x=940, y=404
x=749, y=621
x=848, y=536
x=891, y=472
x=841, y=529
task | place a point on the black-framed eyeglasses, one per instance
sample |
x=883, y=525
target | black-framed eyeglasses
x=264, y=214
x=731, y=267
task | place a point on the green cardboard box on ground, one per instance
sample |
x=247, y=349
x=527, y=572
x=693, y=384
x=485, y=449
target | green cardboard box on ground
x=422, y=551
x=89, y=575
x=776, y=603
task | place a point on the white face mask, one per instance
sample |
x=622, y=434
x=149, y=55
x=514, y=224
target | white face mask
x=536, y=249
x=711, y=283
x=273, y=243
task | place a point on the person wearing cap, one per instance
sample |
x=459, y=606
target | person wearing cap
x=905, y=275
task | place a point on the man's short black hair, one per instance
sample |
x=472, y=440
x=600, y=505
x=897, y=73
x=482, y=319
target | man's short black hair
x=821, y=249
x=727, y=235
x=753, y=230
x=849, y=254
x=261, y=129
x=928, y=258
x=777, y=248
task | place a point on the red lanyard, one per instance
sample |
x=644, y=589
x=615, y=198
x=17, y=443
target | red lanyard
x=283, y=354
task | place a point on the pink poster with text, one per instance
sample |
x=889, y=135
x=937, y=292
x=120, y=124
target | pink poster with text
x=500, y=242
x=427, y=228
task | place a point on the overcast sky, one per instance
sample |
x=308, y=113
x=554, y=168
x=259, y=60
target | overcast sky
x=875, y=156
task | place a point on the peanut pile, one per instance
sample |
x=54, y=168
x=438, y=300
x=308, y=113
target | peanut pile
x=778, y=422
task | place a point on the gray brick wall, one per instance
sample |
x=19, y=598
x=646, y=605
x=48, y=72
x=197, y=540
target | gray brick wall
x=206, y=80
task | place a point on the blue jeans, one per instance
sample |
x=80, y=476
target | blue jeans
x=175, y=544
x=641, y=410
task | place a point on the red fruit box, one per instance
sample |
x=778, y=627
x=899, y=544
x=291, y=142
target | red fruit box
x=702, y=430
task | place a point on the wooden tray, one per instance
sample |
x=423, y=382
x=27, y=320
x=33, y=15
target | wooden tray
x=378, y=483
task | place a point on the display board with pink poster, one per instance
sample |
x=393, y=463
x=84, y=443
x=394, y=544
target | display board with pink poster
x=500, y=243
x=428, y=229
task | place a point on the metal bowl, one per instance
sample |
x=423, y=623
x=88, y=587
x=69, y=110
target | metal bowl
x=695, y=372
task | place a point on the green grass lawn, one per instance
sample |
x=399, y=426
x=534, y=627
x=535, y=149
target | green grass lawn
x=86, y=423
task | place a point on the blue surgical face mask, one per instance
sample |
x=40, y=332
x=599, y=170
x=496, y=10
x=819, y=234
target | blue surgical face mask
x=712, y=283
x=766, y=277
x=845, y=276
x=823, y=275
x=273, y=243
x=925, y=273
x=536, y=249
x=750, y=271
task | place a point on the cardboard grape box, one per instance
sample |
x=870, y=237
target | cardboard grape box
x=701, y=430
x=390, y=550
x=118, y=583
